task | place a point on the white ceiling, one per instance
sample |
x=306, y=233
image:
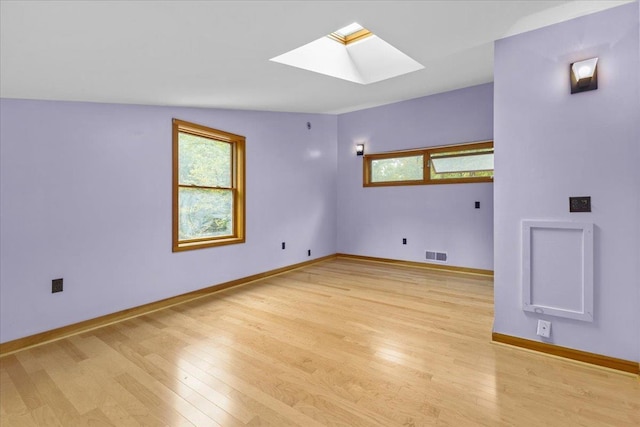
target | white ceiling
x=216, y=53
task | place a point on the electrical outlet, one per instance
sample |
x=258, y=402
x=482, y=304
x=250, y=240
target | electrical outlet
x=309, y=252
x=282, y=245
x=56, y=286
x=404, y=241
x=477, y=205
x=544, y=328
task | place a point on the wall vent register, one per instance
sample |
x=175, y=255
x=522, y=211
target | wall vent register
x=436, y=256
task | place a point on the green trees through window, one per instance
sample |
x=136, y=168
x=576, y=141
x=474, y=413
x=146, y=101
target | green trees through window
x=459, y=164
x=408, y=168
x=436, y=165
x=208, y=187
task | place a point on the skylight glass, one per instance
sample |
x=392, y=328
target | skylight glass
x=349, y=34
x=349, y=29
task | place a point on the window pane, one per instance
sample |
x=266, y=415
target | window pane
x=462, y=164
x=203, y=161
x=204, y=213
x=398, y=169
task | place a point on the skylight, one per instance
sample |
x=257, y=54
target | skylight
x=349, y=34
x=368, y=61
x=349, y=29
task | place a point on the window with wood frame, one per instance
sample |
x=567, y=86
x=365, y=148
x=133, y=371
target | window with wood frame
x=452, y=164
x=208, y=187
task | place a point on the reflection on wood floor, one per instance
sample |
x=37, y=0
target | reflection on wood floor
x=342, y=342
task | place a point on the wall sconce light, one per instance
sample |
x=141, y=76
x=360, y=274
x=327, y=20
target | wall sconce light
x=584, y=75
x=359, y=149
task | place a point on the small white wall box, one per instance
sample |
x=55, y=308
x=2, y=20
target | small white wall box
x=557, y=269
x=544, y=328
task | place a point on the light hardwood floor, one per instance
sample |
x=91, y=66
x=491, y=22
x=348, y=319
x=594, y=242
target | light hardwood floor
x=342, y=342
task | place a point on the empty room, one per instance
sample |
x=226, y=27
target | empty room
x=319, y=213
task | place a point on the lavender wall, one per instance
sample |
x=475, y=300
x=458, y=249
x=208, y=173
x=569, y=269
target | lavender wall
x=373, y=221
x=86, y=195
x=551, y=145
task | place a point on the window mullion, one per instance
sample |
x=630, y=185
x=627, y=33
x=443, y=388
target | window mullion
x=427, y=166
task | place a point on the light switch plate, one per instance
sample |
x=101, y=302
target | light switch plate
x=580, y=204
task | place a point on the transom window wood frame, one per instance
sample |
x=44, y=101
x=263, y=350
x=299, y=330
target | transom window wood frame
x=236, y=187
x=428, y=154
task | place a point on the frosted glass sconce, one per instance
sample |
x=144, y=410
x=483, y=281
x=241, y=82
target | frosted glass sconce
x=584, y=75
x=359, y=149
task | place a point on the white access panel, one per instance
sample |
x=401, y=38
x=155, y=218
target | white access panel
x=557, y=268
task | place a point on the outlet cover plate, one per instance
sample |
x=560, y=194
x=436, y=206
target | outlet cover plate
x=544, y=328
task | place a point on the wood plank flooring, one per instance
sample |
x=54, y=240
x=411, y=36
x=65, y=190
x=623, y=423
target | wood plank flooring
x=338, y=343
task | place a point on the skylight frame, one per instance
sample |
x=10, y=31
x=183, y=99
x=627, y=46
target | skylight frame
x=350, y=38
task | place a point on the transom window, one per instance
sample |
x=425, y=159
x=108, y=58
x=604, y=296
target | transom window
x=435, y=165
x=208, y=187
